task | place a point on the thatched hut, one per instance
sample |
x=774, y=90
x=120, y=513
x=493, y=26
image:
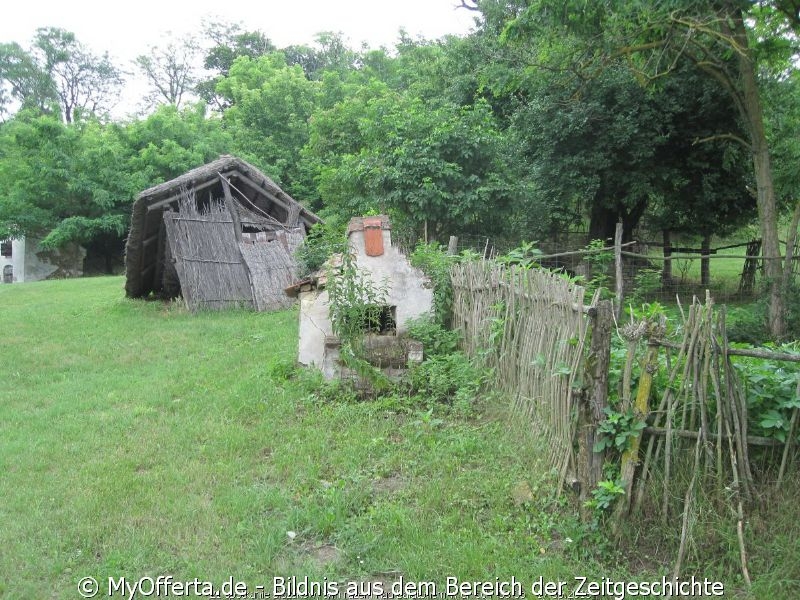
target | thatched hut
x=220, y=235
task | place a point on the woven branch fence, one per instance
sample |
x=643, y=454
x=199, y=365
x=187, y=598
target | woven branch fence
x=207, y=257
x=219, y=269
x=532, y=322
x=551, y=355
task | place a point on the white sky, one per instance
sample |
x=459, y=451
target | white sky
x=129, y=28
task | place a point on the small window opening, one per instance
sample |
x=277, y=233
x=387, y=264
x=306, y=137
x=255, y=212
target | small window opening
x=5, y=249
x=381, y=319
x=8, y=274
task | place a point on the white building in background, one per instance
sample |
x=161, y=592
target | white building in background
x=12, y=260
x=27, y=261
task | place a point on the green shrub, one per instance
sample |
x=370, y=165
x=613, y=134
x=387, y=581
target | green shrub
x=435, y=339
x=322, y=241
x=450, y=379
x=747, y=324
x=434, y=261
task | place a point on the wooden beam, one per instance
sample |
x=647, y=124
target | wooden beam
x=237, y=223
x=753, y=440
x=175, y=197
x=268, y=193
x=150, y=240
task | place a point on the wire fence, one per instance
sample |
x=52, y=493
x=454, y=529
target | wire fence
x=649, y=270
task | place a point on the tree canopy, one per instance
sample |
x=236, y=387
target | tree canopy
x=677, y=116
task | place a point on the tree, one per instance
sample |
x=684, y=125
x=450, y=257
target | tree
x=656, y=38
x=23, y=81
x=82, y=81
x=170, y=71
x=229, y=42
x=330, y=53
x=58, y=73
x=271, y=104
x=436, y=170
x=63, y=182
x=76, y=182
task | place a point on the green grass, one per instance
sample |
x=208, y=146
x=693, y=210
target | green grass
x=139, y=440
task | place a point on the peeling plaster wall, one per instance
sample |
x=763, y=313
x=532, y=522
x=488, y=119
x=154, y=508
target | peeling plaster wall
x=315, y=326
x=408, y=289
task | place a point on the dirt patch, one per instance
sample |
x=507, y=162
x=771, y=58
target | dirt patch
x=389, y=485
x=322, y=555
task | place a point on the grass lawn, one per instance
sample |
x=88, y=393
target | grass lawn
x=139, y=440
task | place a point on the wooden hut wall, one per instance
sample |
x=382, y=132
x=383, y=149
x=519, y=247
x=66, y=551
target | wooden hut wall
x=212, y=272
x=273, y=268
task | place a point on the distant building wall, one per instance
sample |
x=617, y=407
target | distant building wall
x=13, y=266
x=29, y=262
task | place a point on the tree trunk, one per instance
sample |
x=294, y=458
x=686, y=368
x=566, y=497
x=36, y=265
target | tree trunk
x=762, y=166
x=705, y=268
x=666, y=270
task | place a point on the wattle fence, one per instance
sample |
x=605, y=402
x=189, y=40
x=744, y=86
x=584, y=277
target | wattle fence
x=551, y=355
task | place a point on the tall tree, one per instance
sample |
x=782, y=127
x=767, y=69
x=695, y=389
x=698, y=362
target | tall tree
x=58, y=73
x=170, y=71
x=23, y=82
x=82, y=81
x=229, y=41
x=657, y=37
x=271, y=105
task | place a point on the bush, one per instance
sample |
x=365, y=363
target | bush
x=322, y=241
x=449, y=379
x=434, y=261
x=435, y=339
x=747, y=324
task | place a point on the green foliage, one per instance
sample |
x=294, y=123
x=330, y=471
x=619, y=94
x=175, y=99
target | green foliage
x=526, y=255
x=434, y=261
x=605, y=495
x=271, y=105
x=354, y=300
x=447, y=379
x=355, y=307
x=599, y=260
x=646, y=283
x=617, y=430
x=324, y=240
x=435, y=165
x=771, y=390
x=747, y=324
x=436, y=340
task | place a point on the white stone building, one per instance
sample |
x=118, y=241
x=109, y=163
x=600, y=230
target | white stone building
x=408, y=294
x=24, y=260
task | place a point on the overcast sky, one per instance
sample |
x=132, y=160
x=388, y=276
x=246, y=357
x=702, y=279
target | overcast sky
x=128, y=28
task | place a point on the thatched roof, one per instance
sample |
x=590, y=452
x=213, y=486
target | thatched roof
x=261, y=203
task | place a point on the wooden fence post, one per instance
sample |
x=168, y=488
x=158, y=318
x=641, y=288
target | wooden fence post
x=618, y=270
x=595, y=399
x=452, y=245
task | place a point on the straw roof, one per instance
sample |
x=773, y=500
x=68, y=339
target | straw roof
x=261, y=203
